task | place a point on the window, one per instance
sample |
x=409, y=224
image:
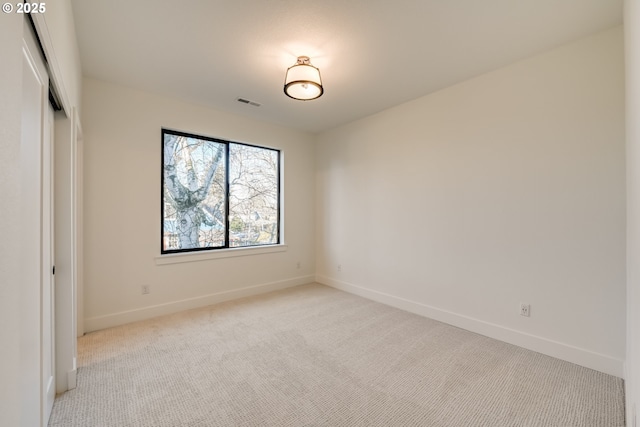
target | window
x=218, y=194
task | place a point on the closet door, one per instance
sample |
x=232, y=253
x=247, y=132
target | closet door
x=38, y=340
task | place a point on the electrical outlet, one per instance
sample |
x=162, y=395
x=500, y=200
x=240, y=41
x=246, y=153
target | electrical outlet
x=145, y=289
x=298, y=265
x=525, y=310
x=339, y=267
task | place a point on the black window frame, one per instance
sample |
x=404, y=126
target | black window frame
x=226, y=144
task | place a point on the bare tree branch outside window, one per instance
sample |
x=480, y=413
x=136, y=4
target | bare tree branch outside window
x=253, y=195
x=203, y=207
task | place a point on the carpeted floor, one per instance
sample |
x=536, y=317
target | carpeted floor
x=316, y=356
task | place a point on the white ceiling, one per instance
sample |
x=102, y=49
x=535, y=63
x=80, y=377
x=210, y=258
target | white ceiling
x=373, y=54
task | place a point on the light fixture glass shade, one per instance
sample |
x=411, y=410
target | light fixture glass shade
x=303, y=81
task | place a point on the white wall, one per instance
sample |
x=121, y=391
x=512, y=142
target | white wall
x=122, y=165
x=632, y=56
x=10, y=221
x=506, y=188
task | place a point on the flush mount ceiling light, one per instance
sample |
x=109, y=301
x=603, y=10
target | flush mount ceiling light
x=303, y=81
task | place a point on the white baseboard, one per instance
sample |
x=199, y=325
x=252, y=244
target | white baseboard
x=72, y=379
x=579, y=356
x=115, y=319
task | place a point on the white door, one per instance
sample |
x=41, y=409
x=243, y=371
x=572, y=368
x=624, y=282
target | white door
x=37, y=155
x=48, y=291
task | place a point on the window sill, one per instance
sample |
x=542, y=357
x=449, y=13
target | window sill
x=217, y=254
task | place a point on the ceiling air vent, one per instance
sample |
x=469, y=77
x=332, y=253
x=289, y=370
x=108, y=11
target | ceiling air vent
x=246, y=101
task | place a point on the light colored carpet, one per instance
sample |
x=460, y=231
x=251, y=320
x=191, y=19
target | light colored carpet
x=316, y=356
